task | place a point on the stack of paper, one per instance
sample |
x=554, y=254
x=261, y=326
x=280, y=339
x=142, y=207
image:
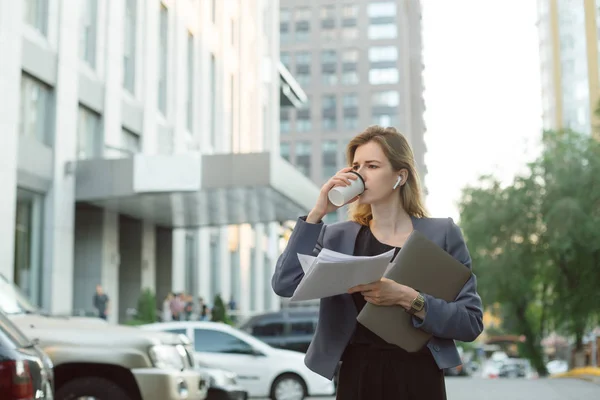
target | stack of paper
x=332, y=273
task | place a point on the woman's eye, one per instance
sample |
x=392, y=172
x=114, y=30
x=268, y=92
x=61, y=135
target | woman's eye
x=372, y=166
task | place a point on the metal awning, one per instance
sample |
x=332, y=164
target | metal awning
x=194, y=190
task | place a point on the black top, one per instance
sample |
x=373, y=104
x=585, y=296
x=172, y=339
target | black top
x=368, y=245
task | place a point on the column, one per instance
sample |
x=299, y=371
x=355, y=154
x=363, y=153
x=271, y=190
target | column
x=60, y=206
x=10, y=79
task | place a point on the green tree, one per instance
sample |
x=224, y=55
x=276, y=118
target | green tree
x=500, y=226
x=536, y=244
x=570, y=168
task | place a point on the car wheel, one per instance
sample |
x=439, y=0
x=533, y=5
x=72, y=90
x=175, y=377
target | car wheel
x=288, y=387
x=92, y=387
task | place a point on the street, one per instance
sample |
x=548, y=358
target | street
x=519, y=389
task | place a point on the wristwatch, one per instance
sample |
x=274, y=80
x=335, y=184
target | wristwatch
x=417, y=304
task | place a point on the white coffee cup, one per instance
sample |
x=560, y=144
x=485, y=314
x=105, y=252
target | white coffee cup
x=340, y=195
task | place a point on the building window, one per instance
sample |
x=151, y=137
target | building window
x=284, y=57
x=89, y=134
x=129, y=45
x=285, y=37
x=329, y=34
x=302, y=36
x=303, y=124
x=381, y=76
x=130, y=141
x=303, y=150
x=303, y=58
x=190, y=82
x=381, y=9
x=328, y=102
x=350, y=56
x=386, y=120
x=389, y=98
x=384, y=31
x=383, y=53
x=303, y=79
x=329, y=123
x=284, y=125
x=329, y=78
x=162, y=59
x=350, y=100
x=327, y=12
x=350, y=122
x=328, y=57
x=350, y=11
x=89, y=24
x=302, y=14
x=29, y=219
x=350, y=78
x=213, y=100
x=350, y=33
x=329, y=158
x=35, y=110
x=36, y=15
x=284, y=151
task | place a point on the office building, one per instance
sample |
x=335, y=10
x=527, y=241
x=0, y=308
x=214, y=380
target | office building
x=140, y=150
x=360, y=64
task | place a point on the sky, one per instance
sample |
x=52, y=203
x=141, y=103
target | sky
x=482, y=94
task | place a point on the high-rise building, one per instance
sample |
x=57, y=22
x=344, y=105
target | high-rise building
x=569, y=33
x=141, y=150
x=360, y=64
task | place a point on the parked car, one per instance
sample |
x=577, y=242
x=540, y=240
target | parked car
x=26, y=372
x=105, y=361
x=557, y=367
x=290, y=329
x=222, y=384
x=262, y=370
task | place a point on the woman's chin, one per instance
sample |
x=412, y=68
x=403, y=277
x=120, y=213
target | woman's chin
x=363, y=199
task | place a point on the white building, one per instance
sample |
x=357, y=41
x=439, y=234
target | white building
x=141, y=150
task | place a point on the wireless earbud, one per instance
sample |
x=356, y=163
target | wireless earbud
x=397, y=182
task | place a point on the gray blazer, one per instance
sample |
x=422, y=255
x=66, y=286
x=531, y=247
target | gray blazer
x=457, y=320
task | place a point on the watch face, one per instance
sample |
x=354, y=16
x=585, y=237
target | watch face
x=418, y=303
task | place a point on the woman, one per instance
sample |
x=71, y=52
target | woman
x=382, y=218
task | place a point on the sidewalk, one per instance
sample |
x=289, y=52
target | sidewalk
x=590, y=374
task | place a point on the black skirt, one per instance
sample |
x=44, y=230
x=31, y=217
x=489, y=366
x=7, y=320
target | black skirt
x=372, y=373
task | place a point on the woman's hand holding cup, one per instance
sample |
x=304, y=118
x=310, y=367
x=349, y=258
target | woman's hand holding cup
x=344, y=178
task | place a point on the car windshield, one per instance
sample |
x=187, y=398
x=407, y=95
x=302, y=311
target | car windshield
x=12, y=301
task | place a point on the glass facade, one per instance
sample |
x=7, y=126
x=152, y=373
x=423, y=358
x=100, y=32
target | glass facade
x=28, y=244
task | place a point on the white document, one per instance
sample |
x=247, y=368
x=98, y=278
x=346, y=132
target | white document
x=332, y=273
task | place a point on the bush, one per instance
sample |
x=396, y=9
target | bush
x=219, y=311
x=146, y=309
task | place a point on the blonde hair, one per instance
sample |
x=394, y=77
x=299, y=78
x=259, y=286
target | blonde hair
x=398, y=152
